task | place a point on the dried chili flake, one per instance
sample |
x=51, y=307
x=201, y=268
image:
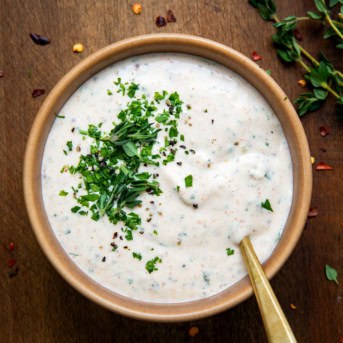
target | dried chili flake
x=323, y=166
x=301, y=83
x=255, y=56
x=11, y=246
x=37, y=92
x=11, y=263
x=324, y=131
x=313, y=212
x=2, y=74
x=293, y=307
x=171, y=17
x=298, y=36
x=341, y=339
x=161, y=21
x=39, y=40
x=137, y=8
x=193, y=331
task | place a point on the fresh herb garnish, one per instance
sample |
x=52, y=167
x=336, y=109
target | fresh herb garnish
x=131, y=91
x=136, y=255
x=128, y=235
x=267, y=205
x=189, y=181
x=324, y=78
x=111, y=171
x=331, y=273
x=75, y=209
x=230, y=251
x=150, y=266
x=63, y=193
x=70, y=145
x=109, y=92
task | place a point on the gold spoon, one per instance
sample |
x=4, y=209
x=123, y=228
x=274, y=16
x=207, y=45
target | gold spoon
x=274, y=320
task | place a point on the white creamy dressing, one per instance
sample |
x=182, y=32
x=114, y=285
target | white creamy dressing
x=241, y=159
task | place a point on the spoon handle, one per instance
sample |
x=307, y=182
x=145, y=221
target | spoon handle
x=275, y=322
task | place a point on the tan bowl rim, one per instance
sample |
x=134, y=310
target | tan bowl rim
x=32, y=164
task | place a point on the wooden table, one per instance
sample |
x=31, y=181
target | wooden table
x=38, y=305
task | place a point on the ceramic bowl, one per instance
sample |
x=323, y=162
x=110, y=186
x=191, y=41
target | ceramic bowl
x=302, y=174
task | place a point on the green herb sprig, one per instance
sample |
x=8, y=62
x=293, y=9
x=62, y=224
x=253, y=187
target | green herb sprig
x=323, y=78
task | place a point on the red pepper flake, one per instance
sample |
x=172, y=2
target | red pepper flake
x=171, y=17
x=255, y=56
x=39, y=40
x=297, y=35
x=324, y=131
x=11, y=263
x=302, y=83
x=37, y=92
x=11, y=246
x=341, y=339
x=161, y=21
x=2, y=74
x=193, y=331
x=323, y=166
x=313, y=212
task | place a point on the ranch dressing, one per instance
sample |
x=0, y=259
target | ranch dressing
x=241, y=159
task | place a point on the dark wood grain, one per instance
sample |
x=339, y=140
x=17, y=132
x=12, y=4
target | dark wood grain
x=38, y=305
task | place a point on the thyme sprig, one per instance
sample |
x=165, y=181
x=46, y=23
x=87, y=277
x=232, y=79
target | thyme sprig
x=323, y=78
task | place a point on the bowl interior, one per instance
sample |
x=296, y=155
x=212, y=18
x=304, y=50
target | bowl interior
x=302, y=175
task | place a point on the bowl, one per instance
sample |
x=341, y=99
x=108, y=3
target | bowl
x=293, y=130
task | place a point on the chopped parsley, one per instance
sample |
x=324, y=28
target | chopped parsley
x=63, y=193
x=158, y=96
x=131, y=91
x=70, y=145
x=136, y=255
x=189, y=181
x=121, y=86
x=150, y=266
x=111, y=173
x=266, y=205
x=75, y=209
x=229, y=251
x=128, y=235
